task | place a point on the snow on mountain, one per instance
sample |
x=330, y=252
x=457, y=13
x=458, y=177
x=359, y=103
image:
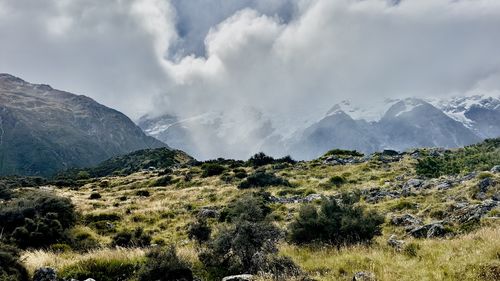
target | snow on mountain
x=370, y=113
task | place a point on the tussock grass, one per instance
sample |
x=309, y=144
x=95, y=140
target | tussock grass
x=468, y=257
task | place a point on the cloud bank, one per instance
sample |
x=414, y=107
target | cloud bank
x=287, y=59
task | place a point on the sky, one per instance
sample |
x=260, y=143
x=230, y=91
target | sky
x=286, y=58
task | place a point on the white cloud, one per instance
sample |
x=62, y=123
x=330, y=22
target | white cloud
x=286, y=58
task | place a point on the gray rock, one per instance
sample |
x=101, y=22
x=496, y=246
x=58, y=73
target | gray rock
x=463, y=213
x=89, y=279
x=364, y=276
x=428, y=231
x=242, y=277
x=445, y=185
x=415, y=183
x=495, y=169
x=395, y=243
x=485, y=184
x=45, y=274
x=208, y=213
x=406, y=220
x=312, y=197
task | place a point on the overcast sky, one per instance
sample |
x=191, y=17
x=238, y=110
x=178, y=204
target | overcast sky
x=279, y=56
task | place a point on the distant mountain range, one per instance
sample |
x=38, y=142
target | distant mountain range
x=397, y=124
x=43, y=130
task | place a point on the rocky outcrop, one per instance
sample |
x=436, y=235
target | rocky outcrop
x=364, y=276
x=395, y=243
x=431, y=230
x=242, y=277
x=406, y=220
x=45, y=274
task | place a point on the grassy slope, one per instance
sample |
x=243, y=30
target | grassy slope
x=169, y=209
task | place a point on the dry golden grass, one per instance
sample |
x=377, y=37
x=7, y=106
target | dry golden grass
x=39, y=258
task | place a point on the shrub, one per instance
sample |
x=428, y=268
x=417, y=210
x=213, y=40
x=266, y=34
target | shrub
x=36, y=220
x=95, y=196
x=337, y=180
x=10, y=266
x=135, y=238
x=212, y=169
x=5, y=193
x=143, y=193
x=262, y=179
x=199, y=231
x=243, y=247
x=342, y=152
x=250, y=208
x=334, y=223
x=260, y=159
x=165, y=265
x=163, y=181
x=82, y=239
x=240, y=173
x=411, y=249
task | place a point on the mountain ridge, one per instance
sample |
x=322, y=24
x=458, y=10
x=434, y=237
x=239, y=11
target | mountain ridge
x=45, y=130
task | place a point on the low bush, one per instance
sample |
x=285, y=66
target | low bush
x=10, y=266
x=163, y=181
x=36, y=219
x=337, y=180
x=212, y=169
x=142, y=193
x=249, y=207
x=135, y=238
x=243, y=247
x=262, y=179
x=95, y=196
x=335, y=223
x=199, y=231
x=165, y=265
x=260, y=159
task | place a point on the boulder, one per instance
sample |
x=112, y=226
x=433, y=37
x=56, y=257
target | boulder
x=242, y=277
x=208, y=213
x=463, y=213
x=405, y=220
x=364, y=276
x=415, y=183
x=431, y=230
x=89, y=279
x=45, y=274
x=495, y=169
x=485, y=184
x=395, y=243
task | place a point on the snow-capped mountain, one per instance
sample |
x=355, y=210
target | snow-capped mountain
x=397, y=124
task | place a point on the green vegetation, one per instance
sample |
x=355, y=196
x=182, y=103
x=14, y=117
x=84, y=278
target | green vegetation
x=343, y=152
x=479, y=157
x=262, y=179
x=334, y=223
x=279, y=221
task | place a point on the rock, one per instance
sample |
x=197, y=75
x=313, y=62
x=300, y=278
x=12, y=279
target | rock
x=485, y=184
x=469, y=176
x=395, y=243
x=89, y=279
x=432, y=230
x=375, y=194
x=445, y=185
x=464, y=213
x=242, y=277
x=415, y=183
x=208, y=213
x=45, y=274
x=496, y=196
x=495, y=169
x=312, y=197
x=406, y=220
x=364, y=276
x=480, y=196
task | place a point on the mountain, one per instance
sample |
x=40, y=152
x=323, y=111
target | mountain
x=398, y=125
x=479, y=113
x=44, y=130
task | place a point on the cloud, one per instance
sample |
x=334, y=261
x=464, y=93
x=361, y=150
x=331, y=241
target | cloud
x=290, y=60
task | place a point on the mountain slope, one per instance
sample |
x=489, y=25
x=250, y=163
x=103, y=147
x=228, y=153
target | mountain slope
x=43, y=130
